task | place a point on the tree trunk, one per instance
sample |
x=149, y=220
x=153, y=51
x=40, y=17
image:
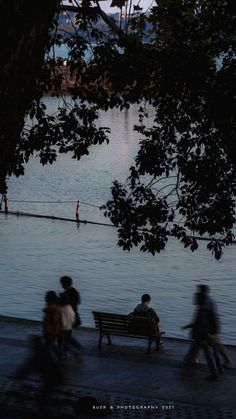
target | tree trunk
x=24, y=27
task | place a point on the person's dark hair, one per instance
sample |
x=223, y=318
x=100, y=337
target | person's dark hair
x=145, y=298
x=203, y=288
x=66, y=281
x=51, y=298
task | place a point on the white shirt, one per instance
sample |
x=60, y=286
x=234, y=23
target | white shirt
x=68, y=317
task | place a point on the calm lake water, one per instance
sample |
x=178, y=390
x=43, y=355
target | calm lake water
x=36, y=252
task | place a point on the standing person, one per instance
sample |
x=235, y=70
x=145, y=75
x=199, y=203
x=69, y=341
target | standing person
x=73, y=296
x=203, y=327
x=144, y=310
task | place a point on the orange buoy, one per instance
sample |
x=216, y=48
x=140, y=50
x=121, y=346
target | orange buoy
x=5, y=200
x=77, y=213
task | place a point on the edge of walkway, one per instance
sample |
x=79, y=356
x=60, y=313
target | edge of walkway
x=31, y=322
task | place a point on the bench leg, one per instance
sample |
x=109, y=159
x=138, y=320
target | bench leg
x=157, y=340
x=100, y=340
x=109, y=339
x=149, y=346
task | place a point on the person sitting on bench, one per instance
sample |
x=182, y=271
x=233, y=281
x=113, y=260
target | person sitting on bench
x=143, y=310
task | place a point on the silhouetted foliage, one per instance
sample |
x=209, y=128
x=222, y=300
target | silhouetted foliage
x=183, y=181
x=178, y=63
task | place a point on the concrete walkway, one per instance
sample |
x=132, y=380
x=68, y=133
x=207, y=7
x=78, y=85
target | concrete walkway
x=133, y=384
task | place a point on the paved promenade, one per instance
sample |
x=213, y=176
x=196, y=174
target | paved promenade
x=132, y=383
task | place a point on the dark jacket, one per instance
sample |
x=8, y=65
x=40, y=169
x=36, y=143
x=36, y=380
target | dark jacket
x=144, y=311
x=206, y=323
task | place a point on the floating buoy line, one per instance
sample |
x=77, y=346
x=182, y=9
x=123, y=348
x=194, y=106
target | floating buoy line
x=78, y=221
x=52, y=217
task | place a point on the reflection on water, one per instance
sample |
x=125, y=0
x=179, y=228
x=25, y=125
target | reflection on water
x=35, y=252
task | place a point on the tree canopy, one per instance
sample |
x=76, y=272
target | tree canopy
x=177, y=61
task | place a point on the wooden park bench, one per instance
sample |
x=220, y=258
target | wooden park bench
x=122, y=325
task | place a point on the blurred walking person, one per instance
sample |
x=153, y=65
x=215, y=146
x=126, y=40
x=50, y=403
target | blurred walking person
x=219, y=349
x=204, y=325
x=52, y=322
